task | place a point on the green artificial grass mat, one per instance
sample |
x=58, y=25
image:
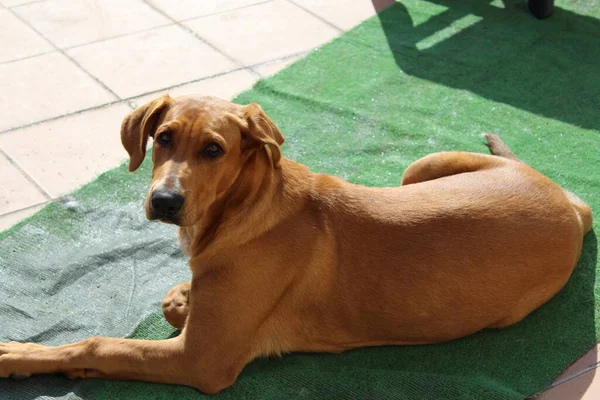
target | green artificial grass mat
x=421, y=77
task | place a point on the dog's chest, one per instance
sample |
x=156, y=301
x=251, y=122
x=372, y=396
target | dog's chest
x=185, y=241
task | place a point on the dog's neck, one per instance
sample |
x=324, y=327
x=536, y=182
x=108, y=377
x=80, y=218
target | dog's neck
x=246, y=211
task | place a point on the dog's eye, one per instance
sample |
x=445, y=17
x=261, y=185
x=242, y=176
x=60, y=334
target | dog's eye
x=164, y=139
x=213, y=151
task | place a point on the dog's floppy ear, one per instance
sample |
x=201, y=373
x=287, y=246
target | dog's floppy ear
x=261, y=131
x=138, y=125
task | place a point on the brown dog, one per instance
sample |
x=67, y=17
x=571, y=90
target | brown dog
x=286, y=260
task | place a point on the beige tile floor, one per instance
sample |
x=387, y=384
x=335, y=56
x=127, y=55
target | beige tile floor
x=71, y=69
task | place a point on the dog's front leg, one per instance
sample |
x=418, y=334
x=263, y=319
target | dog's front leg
x=209, y=354
x=98, y=357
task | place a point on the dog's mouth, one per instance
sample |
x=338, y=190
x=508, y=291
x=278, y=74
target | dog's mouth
x=173, y=219
x=167, y=219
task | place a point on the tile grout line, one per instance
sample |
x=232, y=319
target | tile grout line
x=254, y=72
x=281, y=59
x=194, y=34
x=129, y=100
x=226, y=11
x=26, y=175
x=26, y=3
x=76, y=46
x=28, y=57
x=24, y=209
x=317, y=16
x=68, y=114
x=23, y=20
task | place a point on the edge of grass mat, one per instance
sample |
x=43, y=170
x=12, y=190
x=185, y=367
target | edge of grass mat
x=420, y=77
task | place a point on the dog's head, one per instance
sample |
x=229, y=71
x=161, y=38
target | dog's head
x=200, y=145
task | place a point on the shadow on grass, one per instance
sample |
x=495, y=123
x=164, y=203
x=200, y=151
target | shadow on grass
x=503, y=53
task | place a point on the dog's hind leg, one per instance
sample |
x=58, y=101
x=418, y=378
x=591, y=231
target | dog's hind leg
x=176, y=305
x=584, y=212
x=532, y=301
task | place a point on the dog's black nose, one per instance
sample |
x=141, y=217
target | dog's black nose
x=166, y=203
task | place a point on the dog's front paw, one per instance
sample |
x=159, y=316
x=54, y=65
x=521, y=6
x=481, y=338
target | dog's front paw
x=15, y=359
x=176, y=305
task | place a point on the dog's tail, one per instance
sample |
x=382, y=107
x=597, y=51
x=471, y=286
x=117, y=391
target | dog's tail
x=498, y=148
x=584, y=212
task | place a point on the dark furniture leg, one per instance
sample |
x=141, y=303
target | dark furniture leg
x=541, y=8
